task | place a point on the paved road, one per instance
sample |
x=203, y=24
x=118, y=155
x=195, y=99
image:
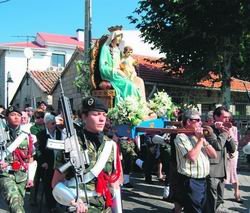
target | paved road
x=147, y=198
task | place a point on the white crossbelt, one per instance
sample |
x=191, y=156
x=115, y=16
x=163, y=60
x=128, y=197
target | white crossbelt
x=101, y=161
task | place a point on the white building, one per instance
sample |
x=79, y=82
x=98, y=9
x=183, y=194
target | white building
x=46, y=52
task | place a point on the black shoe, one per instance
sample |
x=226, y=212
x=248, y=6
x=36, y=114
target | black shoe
x=128, y=185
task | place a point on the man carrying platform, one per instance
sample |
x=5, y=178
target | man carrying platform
x=192, y=154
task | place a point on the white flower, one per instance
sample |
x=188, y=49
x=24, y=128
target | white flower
x=128, y=111
x=161, y=104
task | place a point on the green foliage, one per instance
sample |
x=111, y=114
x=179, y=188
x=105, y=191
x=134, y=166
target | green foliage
x=130, y=110
x=133, y=111
x=161, y=104
x=82, y=80
x=198, y=35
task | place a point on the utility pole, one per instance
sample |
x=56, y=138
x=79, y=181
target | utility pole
x=87, y=29
x=9, y=80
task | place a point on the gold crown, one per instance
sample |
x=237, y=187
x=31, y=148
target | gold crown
x=115, y=28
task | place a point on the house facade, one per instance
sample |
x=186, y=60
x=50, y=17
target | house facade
x=36, y=86
x=49, y=52
x=67, y=78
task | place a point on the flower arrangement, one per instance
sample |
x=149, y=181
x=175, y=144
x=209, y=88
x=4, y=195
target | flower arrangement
x=161, y=104
x=128, y=111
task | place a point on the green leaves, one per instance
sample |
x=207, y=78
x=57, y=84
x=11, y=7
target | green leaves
x=82, y=79
x=193, y=33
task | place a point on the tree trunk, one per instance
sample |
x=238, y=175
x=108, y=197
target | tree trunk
x=226, y=92
x=226, y=80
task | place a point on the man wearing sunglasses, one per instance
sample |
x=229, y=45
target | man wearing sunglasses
x=192, y=154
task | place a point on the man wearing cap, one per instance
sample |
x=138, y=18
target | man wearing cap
x=104, y=169
x=15, y=166
x=192, y=154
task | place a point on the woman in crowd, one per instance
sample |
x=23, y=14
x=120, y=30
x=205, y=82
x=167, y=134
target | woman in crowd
x=232, y=176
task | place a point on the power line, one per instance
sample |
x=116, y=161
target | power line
x=27, y=37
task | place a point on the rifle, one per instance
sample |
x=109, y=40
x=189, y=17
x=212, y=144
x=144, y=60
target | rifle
x=73, y=154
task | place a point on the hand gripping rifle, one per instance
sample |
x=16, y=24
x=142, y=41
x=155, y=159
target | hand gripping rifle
x=76, y=158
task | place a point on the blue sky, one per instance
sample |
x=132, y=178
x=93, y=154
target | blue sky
x=27, y=17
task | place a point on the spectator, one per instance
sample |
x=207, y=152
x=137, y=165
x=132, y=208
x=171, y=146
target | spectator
x=42, y=106
x=47, y=157
x=30, y=113
x=25, y=125
x=36, y=129
x=232, y=176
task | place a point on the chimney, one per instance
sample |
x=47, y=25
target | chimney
x=80, y=35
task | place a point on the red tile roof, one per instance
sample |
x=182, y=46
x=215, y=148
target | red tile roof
x=236, y=84
x=60, y=39
x=46, y=80
x=152, y=72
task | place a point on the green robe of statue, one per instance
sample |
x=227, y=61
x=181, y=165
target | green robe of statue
x=109, y=64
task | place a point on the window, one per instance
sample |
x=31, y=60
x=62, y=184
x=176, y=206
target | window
x=58, y=59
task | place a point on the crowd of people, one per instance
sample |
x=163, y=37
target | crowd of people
x=197, y=164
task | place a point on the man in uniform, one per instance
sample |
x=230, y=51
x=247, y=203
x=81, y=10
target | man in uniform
x=15, y=172
x=104, y=168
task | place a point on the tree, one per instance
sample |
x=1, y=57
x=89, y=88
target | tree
x=199, y=36
x=3, y=1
